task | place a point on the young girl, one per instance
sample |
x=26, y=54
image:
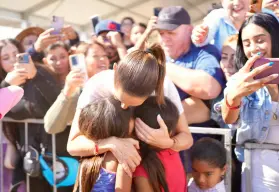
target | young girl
x=160, y=170
x=101, y=119
x=208, y=158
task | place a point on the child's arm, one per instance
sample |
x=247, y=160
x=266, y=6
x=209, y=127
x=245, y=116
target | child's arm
x=142, y=184
x=204, y=33
x=123, y=182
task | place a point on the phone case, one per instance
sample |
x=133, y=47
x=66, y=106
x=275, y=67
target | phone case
x=273, y=70
x=23, y=58
x=57, y=24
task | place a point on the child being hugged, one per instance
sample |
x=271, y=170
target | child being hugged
x=209, y=161
x=160, y=170
x=101, y=119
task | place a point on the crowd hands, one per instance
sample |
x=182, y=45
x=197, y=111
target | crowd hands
x=197, y=63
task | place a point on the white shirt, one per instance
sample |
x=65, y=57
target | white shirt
x=103, y=83
x=219, y=187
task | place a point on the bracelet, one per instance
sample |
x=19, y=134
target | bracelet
x=232, y=107
x=96, y=149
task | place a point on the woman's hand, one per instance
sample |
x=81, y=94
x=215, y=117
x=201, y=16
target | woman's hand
x=125, y=151
x=244, y=83
x=151, y=24
x=69, y=32
x=45, y=39
x=200, y=33
x=17, y=77
x=156, y=137
x=29, y=67
x=74, y=79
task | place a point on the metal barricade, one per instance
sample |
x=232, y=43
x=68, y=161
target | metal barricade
x=26, y=122
x=248, y=147
x=226, y=133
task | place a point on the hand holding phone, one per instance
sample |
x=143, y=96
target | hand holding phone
x=77, y=61
x=156, y=11
x=25, y=63
x=95, y=20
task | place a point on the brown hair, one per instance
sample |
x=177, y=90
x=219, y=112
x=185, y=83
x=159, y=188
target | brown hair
x=148, y=112
x=4, y=43
x=142, y=72
x=101, y=119
x=56, y=45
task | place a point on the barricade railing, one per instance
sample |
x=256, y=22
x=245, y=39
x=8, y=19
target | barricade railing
x=226, y=133
x=249, y=147
x=25, y=122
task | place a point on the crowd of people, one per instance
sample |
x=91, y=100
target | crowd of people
x=123, y=123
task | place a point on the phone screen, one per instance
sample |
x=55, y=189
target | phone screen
x=57, y=23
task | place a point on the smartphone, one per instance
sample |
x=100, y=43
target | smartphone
x=77, y=61
x=23, y=58
x=273, y=70
x=257, y=6
x=57, y=23
x=95, y=20
x=156, y=11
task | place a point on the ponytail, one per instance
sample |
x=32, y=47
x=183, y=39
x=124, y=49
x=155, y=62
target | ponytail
x=88, y=173
x=141, y=73
x=157, y=51
x=154, y=168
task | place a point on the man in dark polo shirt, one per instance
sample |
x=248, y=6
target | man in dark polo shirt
x=194, y=70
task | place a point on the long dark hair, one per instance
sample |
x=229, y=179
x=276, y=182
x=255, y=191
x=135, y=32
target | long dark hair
x=148, y=112
x=4, y=43
x=101, y=119
x=142, y=72
x=270, y=24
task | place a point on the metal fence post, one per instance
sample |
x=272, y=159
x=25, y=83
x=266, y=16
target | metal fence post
x=53, y=138
x=1, y=159
x=26, y=149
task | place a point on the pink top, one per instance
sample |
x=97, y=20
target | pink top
x=175, y=175
x=9, y=97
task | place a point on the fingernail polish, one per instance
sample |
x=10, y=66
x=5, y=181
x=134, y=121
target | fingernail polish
x=271, y=63
x=259, y=53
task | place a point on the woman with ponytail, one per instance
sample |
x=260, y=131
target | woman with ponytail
x=101, y=119
x=160, y=170
x=133, y=80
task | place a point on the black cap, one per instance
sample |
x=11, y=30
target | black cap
x=172, y=17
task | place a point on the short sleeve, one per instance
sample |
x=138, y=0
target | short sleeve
x=140, y=172
x=207, y=61
x=170, y=91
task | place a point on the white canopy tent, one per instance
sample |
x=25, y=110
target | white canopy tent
x=23, y=13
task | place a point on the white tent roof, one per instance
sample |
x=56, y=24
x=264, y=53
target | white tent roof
x=22, y=13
